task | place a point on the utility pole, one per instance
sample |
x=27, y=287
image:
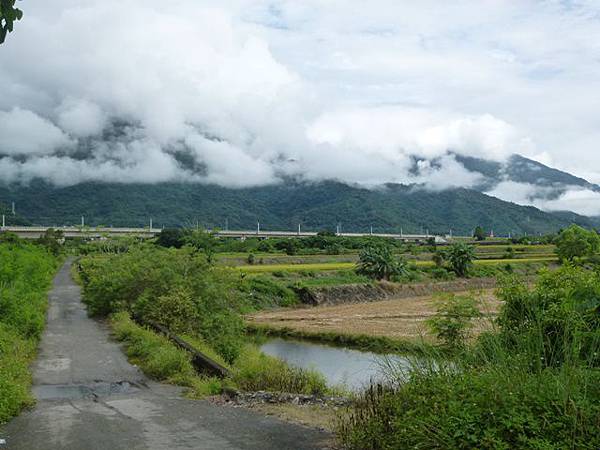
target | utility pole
x=258, y=227
x=298, y=229
x=150, y=223
x=371, y=230
x=82, y=221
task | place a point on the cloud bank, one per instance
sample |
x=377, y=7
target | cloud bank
x=249, y=92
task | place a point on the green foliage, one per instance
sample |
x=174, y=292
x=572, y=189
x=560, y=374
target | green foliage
x=173, y=287
x=438, y=258
x=171, y=238
x=563, y=308
x=493, y=408
x=261, y=292
x=440, y=273
x=202, y=241
x=460, y=256
x=379, y=263
x=479, y=234
x=533, y=383
x=26, y=271
x=280, y=207
x=255, y=371
x=8, y=15
x=251, y=371
x=454, y=320
x=576, y=242
x=53, y=240
x=155, y=354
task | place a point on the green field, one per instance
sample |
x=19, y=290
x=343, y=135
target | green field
x=319, y=267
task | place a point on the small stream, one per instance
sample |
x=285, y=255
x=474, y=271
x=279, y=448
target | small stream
x=341, y=366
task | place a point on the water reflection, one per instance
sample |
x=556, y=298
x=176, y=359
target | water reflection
x=340, y=366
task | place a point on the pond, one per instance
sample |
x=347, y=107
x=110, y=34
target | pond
x=341, y=366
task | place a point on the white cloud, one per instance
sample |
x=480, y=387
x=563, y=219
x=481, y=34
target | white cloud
x=258, y=89
x=23, y=132
x=81, y=118
x=574, y=198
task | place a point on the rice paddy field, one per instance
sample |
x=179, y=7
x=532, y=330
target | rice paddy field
x=399, y=319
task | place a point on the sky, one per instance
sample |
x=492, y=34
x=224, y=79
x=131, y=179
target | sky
x=250, y=92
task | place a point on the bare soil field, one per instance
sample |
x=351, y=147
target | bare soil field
x=403, y=318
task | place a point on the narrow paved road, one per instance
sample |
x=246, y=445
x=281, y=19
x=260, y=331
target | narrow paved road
x=91, y=398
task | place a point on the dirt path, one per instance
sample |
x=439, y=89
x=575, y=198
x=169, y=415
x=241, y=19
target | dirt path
x=90, y=397
x=402, y=318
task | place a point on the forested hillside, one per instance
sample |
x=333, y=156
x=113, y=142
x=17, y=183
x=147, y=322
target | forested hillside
x=315, y=206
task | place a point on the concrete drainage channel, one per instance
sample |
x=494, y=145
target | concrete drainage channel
x=93, y=391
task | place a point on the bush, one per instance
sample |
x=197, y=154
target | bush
x=454, y=319
x=576, y=242
x=502, y=408
x=174, y=286
x=533, y=383
x=460, y=256
x=378, y=262
x=439, y=273
x=261, y=293
x=26, y=272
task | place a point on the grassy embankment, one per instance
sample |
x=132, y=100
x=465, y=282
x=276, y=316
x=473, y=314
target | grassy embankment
x=26, y=273
x=179, y=290
x=532, y=382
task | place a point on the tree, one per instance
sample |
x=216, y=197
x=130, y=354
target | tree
x=171, y=237
x=53, y=240
x=461, y=258
x=576, y=242
x=203, y=241
x=8, y=15
x=378, y=262
x=479, y=234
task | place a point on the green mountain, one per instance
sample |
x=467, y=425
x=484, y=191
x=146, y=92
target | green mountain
x=315, y=206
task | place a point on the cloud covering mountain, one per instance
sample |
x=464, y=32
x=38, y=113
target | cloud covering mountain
x=248, y=92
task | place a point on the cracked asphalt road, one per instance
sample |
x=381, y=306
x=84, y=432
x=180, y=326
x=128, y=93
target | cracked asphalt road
x=90, y=397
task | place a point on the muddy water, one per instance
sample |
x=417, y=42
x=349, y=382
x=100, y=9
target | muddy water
x=340, y=366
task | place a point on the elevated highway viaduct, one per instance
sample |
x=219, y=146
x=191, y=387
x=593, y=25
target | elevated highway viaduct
x=100, y=232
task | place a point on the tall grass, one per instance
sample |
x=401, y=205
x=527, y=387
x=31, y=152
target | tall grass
x=532, y=383
x=251, y=371
x=26, y=271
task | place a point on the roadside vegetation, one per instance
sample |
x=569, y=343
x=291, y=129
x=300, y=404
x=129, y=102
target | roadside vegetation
x=532, y=382
x=180, y=290
x=26, y=271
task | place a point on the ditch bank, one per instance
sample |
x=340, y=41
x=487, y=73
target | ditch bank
x=366, y=293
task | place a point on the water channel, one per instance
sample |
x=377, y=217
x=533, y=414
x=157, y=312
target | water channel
x=341, y=366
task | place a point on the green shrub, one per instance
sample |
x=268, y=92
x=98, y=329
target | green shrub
x=175, y=287
x=495, y=408
x=260, y=293
x=378, y=262
x=26, y=272
x=454, y=319
x=439, y=273
x=531, y=383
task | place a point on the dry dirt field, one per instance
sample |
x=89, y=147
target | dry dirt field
x=397, y=318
